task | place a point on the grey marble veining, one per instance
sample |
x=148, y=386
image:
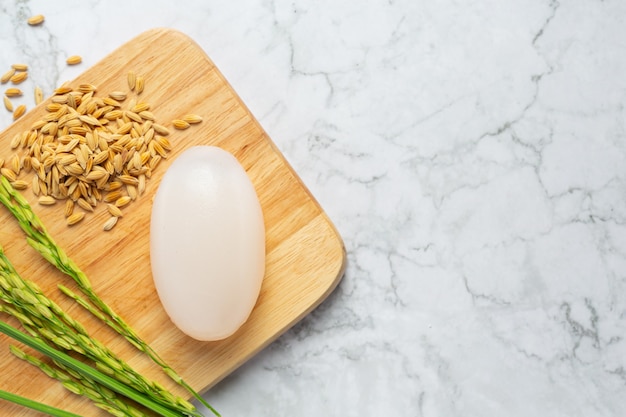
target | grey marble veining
x=472, y=156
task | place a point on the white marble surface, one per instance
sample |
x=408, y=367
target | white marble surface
x=472, y=156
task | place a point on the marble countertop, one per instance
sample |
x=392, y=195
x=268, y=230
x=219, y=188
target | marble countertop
x=472, y=156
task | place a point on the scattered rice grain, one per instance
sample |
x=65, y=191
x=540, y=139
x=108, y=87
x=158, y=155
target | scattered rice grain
x=7, y=76
x=118, y=95
x=122, y=201
x=180, y=124
x=8, y=174
x=132, y=80
x=114, y=210
x=141, y=106
x=46, y=200
x=19, y=111
x=160, y=129
x=74, y=60
x=35, y=185
x=7, y=104
x=38, y=95
x=19, y=77
x=16, y=164
x=20, y=67
x=84, y=204
x=69, y=207
x=20, y=184
x=139, y=84
x=87, y=88
x=36, y=20
x=75, y=218
x=192, y=118
x=109, y=224
x=13, y=92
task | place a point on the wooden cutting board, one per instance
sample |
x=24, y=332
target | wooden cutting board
x=305, y=255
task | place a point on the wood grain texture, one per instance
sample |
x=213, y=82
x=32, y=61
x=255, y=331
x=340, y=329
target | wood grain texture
x=305, y=255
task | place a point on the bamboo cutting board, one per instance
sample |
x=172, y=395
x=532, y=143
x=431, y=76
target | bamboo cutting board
x=305, y=255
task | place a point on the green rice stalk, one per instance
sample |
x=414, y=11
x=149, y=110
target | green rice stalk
x=35, y=405
x=88, y=371
x=80, y=385
x=39, y=238
x=42, y=322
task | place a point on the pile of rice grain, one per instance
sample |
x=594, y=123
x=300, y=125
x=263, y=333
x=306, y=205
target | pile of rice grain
x=89, y=150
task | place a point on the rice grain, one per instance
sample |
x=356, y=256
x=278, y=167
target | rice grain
x=75, y=218
x=118, y=95
x=19, y=77
x=9, y=174
x=46, y=200
x=20, y=67
x=122, y=201
x=192, y=118
x=110, y=224
x=7, y=76
x=19, y=111
x=20, y=184
x=13, y=92
x=69, y=207
x=180, y=124
x=7, y=104
x=36, y=20
x=74, y=60
x=139, y=84
x=131, y=77
x=38, y=95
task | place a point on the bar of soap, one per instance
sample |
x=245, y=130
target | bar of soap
x=207, y=243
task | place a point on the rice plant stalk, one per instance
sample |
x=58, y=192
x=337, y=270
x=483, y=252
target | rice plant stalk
x=80, y=385
x=88, y=371
x=39, y=238
x=23, y=300
x=35, y=405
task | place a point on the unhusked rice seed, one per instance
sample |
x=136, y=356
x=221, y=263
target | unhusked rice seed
x=19, y=77
x=122, y=201
x=75, y=218
x=7, y=76
x=112, y=196
x=35, y=185
x=19, y=111
x=13, y=92
x=131, y=77
x=109, y=224
x=46, y=200
x=16, y=164
x=7, y=104
x=9, y=174
x=69, y=207
x=139, y=84
x=84, y=204
x=180, y=124
x=20, y=184
x=192, y=118
x=160, y=129
x=38, y=95
x=139, y=107
x=20, y=67
x=74, y=60
x=114, y=210
x=118, y=95
x=36, y=20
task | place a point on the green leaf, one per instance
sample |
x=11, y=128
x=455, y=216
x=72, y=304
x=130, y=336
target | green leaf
x=87, y=371
x=34, y=405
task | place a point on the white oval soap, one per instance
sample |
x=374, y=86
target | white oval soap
x=207, y=243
